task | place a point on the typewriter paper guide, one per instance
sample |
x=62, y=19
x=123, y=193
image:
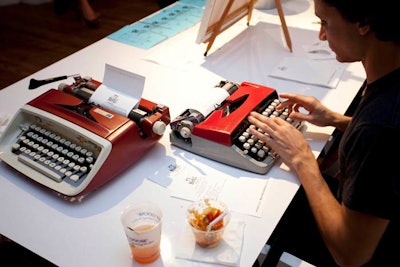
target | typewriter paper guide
x=120, y=91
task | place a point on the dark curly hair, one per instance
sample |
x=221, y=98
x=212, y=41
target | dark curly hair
x=381, y=15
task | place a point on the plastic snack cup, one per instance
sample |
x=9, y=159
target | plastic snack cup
x=208, y=219
x=142, y=226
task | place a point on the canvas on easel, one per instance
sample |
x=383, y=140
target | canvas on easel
x=219, y=15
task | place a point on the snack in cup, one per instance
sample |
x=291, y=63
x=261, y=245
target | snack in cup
x=208, y=219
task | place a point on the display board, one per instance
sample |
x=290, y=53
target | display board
x=219, y=15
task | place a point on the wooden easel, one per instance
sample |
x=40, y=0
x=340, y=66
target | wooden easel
x=229, y=17
x=283, y=23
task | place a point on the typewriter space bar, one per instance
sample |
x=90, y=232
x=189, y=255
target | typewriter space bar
x=40, y=168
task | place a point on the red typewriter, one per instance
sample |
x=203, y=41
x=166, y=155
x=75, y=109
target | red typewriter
x=223, y=135
x=66, y=143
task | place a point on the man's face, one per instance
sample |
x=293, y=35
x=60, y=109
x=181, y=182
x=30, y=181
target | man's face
x=343, y=36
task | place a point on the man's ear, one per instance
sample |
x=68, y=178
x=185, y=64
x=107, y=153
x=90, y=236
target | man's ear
x=363, y=27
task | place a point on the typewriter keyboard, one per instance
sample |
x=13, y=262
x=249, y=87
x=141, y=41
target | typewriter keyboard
x=256, y=148
x=53, y=155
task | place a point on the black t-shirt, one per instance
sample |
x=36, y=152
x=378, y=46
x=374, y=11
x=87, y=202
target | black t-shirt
x=369, y=165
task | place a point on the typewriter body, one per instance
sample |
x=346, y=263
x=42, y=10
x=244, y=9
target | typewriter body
x=72, y=146
x=223, y=134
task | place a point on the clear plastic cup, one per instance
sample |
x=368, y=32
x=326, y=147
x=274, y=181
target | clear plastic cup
x=142, y=226
x=201, y=214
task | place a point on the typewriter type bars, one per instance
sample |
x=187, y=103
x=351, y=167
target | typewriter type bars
x=223, y=136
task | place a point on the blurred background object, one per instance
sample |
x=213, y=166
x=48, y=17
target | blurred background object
x=49, y=38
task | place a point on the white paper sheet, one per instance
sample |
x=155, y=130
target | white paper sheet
x=319, y=50
x=227, y=252
x=120, y=91
x=325, y=73
x=192, y=182
x=5, y=118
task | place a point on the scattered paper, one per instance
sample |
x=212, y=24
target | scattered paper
x=160, y=26
x=319, y=50
x=325, y=73
x=194, y=181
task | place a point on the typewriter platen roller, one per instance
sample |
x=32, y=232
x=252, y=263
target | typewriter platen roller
x=223, y=135
x=66, y=143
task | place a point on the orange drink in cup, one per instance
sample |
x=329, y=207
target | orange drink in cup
x=145, y=253
x=142, y=226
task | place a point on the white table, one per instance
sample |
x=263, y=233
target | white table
x=90, y=233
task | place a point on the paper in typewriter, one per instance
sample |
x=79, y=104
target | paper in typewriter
x=194, y=180
x=120, y=91
x=325, y=73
